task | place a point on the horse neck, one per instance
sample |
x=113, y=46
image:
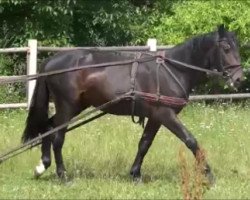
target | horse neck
x=190, y=55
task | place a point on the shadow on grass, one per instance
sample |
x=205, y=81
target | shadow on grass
x=81, y=171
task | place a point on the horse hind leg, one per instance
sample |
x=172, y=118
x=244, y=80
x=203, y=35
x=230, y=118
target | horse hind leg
x=64, y=113
x=45, y=161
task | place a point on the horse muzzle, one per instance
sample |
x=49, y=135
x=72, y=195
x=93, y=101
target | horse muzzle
x=234, y=76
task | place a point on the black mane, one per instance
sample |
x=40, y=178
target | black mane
x=194, y=49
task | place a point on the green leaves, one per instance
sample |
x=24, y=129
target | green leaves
x=115, y=23
x=195, y=17
x=121, y=22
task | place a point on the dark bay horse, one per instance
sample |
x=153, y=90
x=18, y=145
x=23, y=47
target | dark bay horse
x=75, y=91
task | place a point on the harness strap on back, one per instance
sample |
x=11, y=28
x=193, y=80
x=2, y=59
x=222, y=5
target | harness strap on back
x=132, y=90
x=133, y=76
x=161, y=62
x=176, y=79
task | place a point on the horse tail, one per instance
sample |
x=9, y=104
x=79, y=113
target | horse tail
x=37, y=119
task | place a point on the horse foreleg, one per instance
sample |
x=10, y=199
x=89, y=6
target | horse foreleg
x=45, y=161
x=145, y=142
x=175, y=126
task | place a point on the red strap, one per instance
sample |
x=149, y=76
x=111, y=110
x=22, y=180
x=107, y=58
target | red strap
x=169, y=101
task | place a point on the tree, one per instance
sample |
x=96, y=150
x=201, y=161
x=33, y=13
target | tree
x=196, y=17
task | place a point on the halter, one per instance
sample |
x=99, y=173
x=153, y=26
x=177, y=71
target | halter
x=226, y=74
x=224, y=70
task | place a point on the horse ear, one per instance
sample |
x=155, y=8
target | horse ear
x=221, y=30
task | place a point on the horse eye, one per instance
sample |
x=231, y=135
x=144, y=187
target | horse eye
x=226, y=47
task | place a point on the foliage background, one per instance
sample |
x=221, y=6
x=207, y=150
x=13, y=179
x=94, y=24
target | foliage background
x=113, y=22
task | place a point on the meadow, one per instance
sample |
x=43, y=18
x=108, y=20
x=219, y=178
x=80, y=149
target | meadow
x=98, y=157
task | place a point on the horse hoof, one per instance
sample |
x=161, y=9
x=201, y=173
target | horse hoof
x=210, y=180
x=39, y=170
x=137, y=179
x=36, y=174
x=62, y=175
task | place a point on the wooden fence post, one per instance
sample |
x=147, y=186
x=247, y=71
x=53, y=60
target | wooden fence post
x=31, y=68
x=152, y=43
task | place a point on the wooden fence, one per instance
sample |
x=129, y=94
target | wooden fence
x=32, y=50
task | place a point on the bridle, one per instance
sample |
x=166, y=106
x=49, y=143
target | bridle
x=228, y=71
x=220, y=70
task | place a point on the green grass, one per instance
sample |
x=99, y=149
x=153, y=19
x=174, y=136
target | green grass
x=98, y=157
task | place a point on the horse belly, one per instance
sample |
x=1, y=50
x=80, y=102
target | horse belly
x=106, y=85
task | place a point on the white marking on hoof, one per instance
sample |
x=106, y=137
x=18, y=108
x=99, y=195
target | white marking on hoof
x=40, y=169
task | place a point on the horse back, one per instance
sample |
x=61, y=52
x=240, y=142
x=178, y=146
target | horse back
x=95, y=85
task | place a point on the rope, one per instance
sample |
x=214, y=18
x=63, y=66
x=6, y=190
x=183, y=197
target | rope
x=17, y=151
x=170, y=101
x=216, y=73
x=36, y=141
x=24, y=78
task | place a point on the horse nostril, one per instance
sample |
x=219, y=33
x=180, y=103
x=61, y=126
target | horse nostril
x=238, y=82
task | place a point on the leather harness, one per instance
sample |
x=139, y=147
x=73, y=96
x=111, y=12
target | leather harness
x=158, y=97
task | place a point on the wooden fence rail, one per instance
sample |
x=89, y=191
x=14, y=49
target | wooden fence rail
x=15, y=50
x=32, y=50
x=122, y=48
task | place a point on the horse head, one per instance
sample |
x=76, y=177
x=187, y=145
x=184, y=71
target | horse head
x=224, y=57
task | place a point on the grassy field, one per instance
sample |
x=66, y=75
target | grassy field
x=98, y=157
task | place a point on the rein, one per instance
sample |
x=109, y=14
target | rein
x=131, y=95
x=24, y=78
x=127, y=96
x=171, y=61
x=36, y=141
